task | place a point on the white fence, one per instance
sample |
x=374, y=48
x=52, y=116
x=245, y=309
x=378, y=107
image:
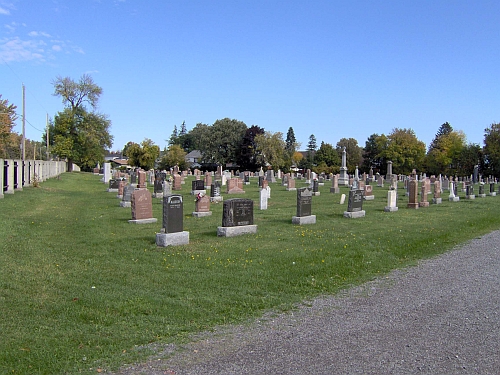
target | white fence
x=16, y=174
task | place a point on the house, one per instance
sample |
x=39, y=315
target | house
x=194, y=159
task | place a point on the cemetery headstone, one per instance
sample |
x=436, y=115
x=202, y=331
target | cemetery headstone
x=127, y=196
x=335, y=185
x=453, y=189
x=237, y=218
x=215, y=192
x=413, y=194
x=142, y=207
x=202, y=206
x=291, y=185
x=315, y=188
x=423, y=196
x=235, y=186
x=481, y=194
x=493, y=193
x=172, y=233
x=437, y=192
x=197, y=186
x=469, y=192
x=355, y=204
x=114, y=184
x=368, y=195
x=391, y=201
x=304, y=206
x=263, y=195
x=342, y=199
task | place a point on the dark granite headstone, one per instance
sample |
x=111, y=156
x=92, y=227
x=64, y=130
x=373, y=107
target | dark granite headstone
x=198, y=185
x=172, y=213
x=315, y=186
x=304, y=200
x=355, y=202
x=215, y=189
x=114, y=184
x=237, y=212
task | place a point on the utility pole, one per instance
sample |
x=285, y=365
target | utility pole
x=24, y=126
x=47, y=125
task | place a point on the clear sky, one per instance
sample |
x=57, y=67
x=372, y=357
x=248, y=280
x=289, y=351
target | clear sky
x=335, y=69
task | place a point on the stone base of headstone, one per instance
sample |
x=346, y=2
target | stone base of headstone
x=291, y=189
x=316, y=193
x=335, y=190
x=308, y=181
x=196, y=192
x=246, y=183
x=158, y=195
x=216, y=199
x=470, y=197
x=303, y=220
x=119, y=196
x=125, y=204
x=454, y=199
x=437, y=200
x=321, y=184
x=481, y=195
x=236, y=231
x=390, y=209
x=112, y=190
x=207, y=187
x=202, y=214
x=172, y=239
x=143, y=221
x=412, y=205
x=423, y=204
x=369, y=197
x=354, y=215
x=494, y=194
x=236, y=191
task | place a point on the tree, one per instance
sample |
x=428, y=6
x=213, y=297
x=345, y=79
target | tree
x=291, y=143
x=404, y=150
x=221, y=144
x=270, y=150
x=311, y=149
x=247, y=157
x=173, y=136
x=80, y=135
x=353, y=152
x=328, y=155
x=175, y=155
x=491, y=149
x=469, y=156
x=7, y=118
x=444, y=153
x=143, y=155
x=443, y=130
x=372, y=152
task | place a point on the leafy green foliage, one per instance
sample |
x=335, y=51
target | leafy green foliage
x=175, y=155
x=247, y=156
x=271, y=150
x=405, y=151
x=7, y=118
x=327, y=155
x=80, y=135
x=144, y=155
x=353, y=152
x=492, y=149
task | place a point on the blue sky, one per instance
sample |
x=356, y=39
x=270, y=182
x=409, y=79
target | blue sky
x=335, y=69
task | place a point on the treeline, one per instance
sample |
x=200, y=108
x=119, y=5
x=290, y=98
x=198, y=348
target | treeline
x=231, y=143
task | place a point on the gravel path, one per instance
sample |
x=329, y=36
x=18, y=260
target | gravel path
x=440, y=317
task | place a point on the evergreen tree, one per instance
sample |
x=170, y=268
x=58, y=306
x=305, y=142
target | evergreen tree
x=174, y=136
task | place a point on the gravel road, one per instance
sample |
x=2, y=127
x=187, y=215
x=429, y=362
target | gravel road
x=440, y=317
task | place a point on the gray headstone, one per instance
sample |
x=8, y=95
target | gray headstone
x=304, y=202
x=173, y=213
x=237, y=212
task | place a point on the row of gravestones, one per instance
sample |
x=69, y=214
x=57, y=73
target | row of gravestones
x=238, y=213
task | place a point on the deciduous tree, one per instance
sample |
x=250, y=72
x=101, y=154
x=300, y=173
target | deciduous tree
x=271, y=150
x=492, y=149
x=353, y=152
x=8, y=117
x=80, y=135
x=143, y=155
x=404, y=150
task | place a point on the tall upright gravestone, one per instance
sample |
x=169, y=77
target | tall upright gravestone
x=304, y=207
x=237, y=218
x=413, y=194
x=355, y=204
x=142, y=207
x=172, y=233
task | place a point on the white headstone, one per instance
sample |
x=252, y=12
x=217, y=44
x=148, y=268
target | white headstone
x=263, y=199
x=342, y=199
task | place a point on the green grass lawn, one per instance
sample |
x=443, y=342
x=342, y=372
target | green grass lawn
x=81, y=289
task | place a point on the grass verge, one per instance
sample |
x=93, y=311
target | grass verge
x=81, y=289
